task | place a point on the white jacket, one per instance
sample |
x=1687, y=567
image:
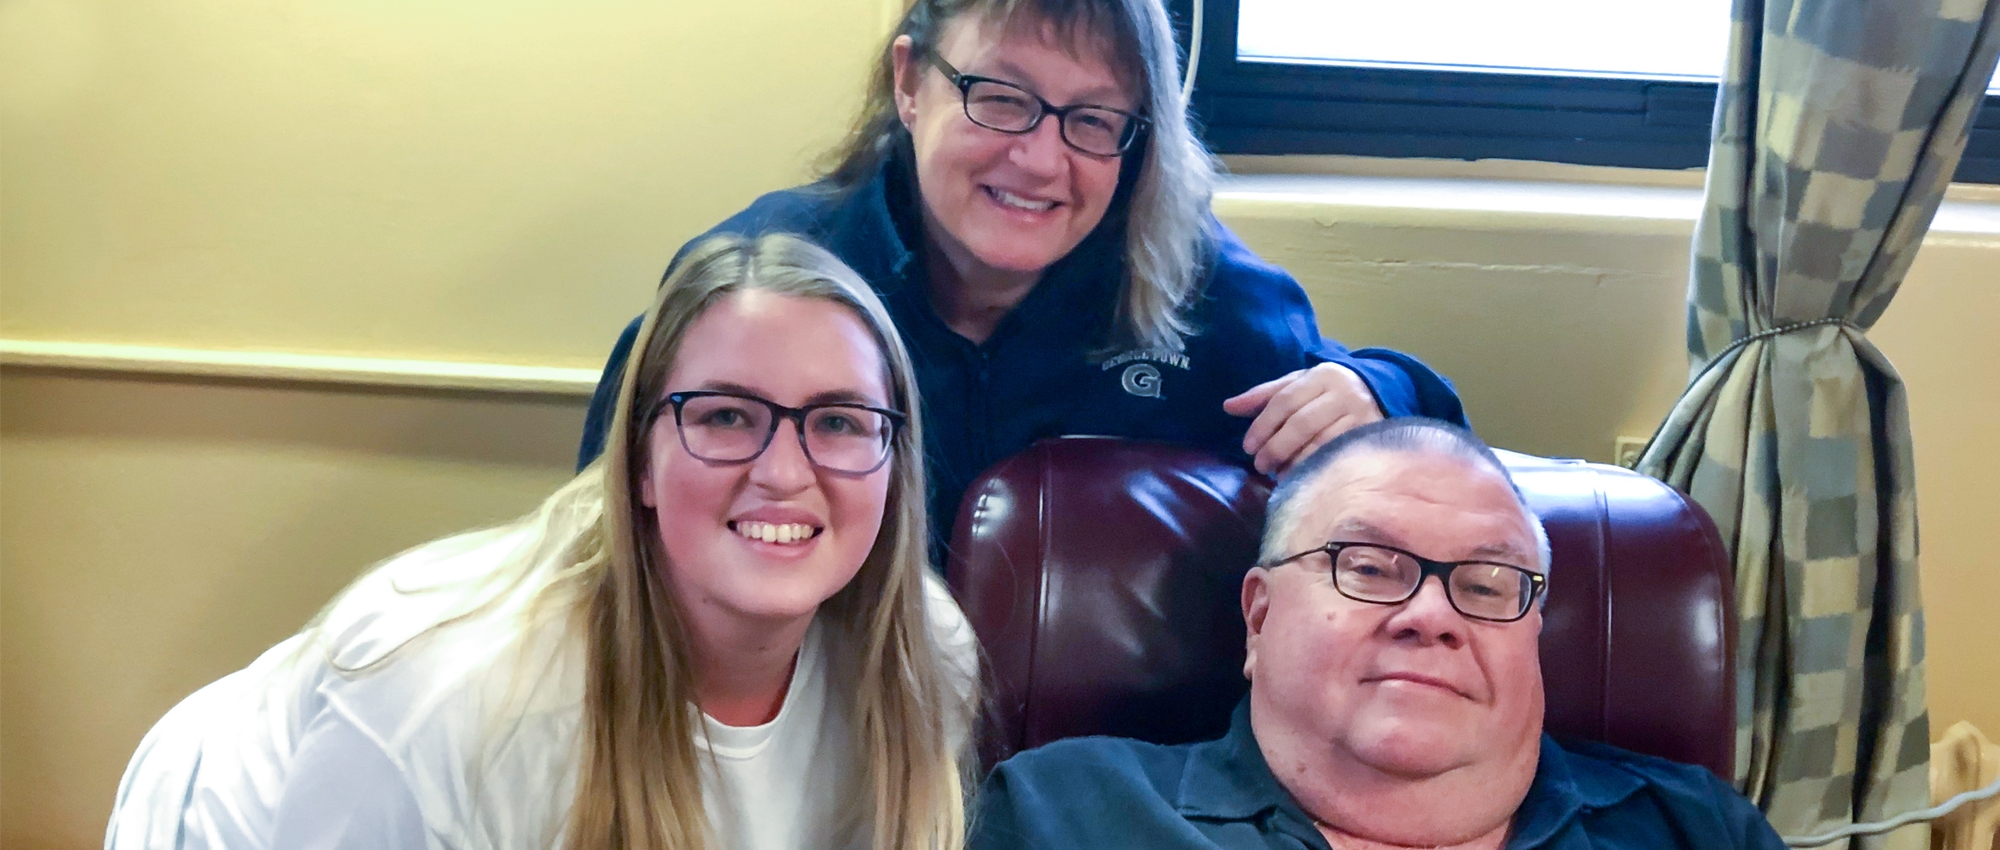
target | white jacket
x=464, y=738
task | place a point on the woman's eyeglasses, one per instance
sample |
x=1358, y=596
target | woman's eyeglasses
x=1004, y=106
x=721, y=427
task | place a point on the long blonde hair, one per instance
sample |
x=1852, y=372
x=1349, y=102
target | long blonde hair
x=1167, y=178
x=591, y=564
x=638, y=785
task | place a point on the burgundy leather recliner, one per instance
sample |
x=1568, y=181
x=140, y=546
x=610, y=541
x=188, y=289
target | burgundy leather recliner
x=1103, y=577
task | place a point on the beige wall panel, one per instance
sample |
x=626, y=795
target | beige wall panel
x=1939, y=333
x=431, y=181
x=158, y=534
x=1560, y=336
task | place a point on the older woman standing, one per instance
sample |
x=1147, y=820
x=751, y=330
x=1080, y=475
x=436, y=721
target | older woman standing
x=1025, y=193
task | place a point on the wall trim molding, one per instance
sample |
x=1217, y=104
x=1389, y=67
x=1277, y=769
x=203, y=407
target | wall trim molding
x=298, y=368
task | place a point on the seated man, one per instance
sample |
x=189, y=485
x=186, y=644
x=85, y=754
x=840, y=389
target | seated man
x=1386, y=710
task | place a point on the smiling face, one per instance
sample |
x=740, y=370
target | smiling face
x=995, y=202
x=767, y=540
x=1412, y=690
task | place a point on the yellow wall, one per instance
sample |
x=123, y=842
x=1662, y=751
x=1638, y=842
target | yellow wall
x=501, y=183
x=438, y=179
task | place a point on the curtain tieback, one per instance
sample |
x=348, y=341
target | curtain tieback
x=1781, y=330
x=1777, y=331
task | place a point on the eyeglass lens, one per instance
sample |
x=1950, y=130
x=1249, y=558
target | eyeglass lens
x=727, y=429
x=1489, y=591
x=1009, y=109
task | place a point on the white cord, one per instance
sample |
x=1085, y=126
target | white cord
x=1899, y=821
x=1194, y=53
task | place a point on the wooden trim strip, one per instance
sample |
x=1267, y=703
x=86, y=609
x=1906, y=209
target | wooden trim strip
x=299, y=368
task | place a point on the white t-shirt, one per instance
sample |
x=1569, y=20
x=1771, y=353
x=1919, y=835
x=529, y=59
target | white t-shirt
x=299, y=752
x=780, y=784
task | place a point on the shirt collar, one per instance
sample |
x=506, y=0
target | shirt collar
x=869, y=224
x=1228, y=779
x=1563, y=788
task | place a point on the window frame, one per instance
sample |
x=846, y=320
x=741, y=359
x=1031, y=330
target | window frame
x=1268, y=108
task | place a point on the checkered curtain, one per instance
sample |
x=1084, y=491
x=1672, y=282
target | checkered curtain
x=1838, y=126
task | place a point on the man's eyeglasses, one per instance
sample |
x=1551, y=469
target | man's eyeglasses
x=1004, y=106
x=723, y=427
x=1386, y=575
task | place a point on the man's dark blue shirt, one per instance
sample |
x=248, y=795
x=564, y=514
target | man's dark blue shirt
x=1043, y=372
x=1107, y=793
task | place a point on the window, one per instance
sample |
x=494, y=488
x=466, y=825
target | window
x=1627, y=84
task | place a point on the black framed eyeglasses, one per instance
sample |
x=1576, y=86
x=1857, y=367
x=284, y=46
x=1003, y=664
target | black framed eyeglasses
x=1386, y=575
x=721, y=427
x=1008, y=108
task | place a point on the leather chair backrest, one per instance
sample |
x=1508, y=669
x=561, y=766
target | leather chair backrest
x=1103, y=577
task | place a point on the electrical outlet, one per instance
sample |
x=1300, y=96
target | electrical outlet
x=1626, y=451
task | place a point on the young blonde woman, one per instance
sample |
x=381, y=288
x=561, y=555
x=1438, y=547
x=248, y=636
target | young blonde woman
x=722, y=635
x=1024, y=190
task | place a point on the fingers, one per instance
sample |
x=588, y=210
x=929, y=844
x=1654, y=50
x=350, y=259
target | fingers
x=1340, y=426
x=1298, y=390
x=1253, y=399
x=1289, y=438
x=1317, y=405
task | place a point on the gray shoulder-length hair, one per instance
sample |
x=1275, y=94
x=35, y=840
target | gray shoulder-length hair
x=1167, y=178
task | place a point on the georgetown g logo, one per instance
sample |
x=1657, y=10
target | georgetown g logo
x=1141, y=379
x=1142, y=376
